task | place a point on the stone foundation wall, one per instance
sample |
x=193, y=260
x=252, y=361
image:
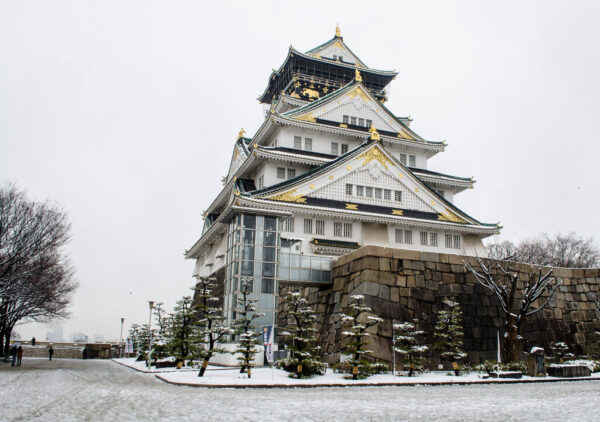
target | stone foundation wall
x=401, y=285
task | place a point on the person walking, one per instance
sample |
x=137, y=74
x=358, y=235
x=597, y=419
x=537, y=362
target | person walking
x=19, y=355
x=13, y=354
x=50, y=352
x=33, y=341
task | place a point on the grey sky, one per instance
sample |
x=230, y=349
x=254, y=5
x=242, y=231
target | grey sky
x=125, y=114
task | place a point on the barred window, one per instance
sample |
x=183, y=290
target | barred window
x=288, y=224
x=344, y=148
x=291, y=173
x=412, y=161
x=378, y=193
x=353, y=121
x=424, y=238
x=398, y=195
x=334, y=148
x=360, y=190
x=408, y=236
x=308, y=144
x=297, y=142
x=369, y=123
x=398, y=235
x=361, y=122
x=319, y=226
x=456, y=241
x=387, y=194
x=348, y=189
x=307, y=226
x=433, y=239
x=346, y=119
x=403, y=236
x=280, y=173
x=368, y=191
x=347, y=229
x=261, y=181
x=448, y=242
x=403, y=158
x=337, y=229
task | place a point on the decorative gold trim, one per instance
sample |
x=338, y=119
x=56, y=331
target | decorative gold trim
x=311, y=93
x=352, y=207
x=358, y=91
x=307, y=118
x=312, y=186
x=348, y=168
x=450, y=216
x=241, y=133
x=374, y=134
x=397, y=212
x=289, y=196
x=343, y=125
x=338, y=33
x=375, y=154
x=432, y=203
x=330, y=177
x=357, y=76
x=400, y=175
x=416, y=189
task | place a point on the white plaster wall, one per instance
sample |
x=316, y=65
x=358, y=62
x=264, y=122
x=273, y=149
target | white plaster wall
x=321, y=141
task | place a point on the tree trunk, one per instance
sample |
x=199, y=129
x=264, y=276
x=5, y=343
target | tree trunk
x=204, y=365
x=513, y=344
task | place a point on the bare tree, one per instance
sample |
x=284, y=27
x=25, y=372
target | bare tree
x=36, y=276
x=558, y=251
x=515, y=305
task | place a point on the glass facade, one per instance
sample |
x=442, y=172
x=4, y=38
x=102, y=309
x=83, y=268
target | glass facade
x=255, y=249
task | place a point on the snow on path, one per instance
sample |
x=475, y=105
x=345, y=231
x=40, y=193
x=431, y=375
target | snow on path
x=78, y=390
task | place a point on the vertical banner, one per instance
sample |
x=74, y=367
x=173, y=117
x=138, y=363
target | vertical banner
x=129, y=345
x=268, y=338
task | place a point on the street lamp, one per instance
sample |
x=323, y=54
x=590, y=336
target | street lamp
x=121, y=341
x=151, y=304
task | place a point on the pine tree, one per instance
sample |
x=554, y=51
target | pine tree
x=358, y=322
x=405, y=343
x=211, y=326
x=449, y=333
x=159, y=341
x=141, y=339
x=304, y=360
x=181, y=332
x=245, y=328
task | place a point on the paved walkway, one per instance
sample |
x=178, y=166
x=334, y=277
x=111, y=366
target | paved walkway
x=77, y=390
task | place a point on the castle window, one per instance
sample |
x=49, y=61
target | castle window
x=403, y=236
x=403, y=158
x=280, y=173
x=361, y=122
x=456, y=241
x=337, y=229
x=288, y=224
x=387, y=194
x=348, y=189
x=412, y=161
x=344, y=148
x=307, y=226
x=398, y=195
x=320, y=227
x=408, y=236
x=308, y=144
x=360, y=190
x=448, y=240
x=261, y=181
x=353, y=121
x=424, y=238
x=368, y=191
x=291, y=173
x=297, y=142
x=433, y=239
x=378, y=193
x=334, y=148
x=369, y=123
x=347, y=229
x=346, y=119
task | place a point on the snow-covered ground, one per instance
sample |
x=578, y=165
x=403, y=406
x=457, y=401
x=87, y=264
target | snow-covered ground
x=79, y=390
x=269, y=377
x=142, y=366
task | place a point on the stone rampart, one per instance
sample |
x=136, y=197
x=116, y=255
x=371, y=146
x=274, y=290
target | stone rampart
x=401, y=285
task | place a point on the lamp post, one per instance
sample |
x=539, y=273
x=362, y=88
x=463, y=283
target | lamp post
x=151, y=305
x=121, y=338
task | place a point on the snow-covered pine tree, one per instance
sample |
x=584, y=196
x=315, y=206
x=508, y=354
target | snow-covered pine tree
x=561, y=351
x=245, y=327
x=357, y=322
x=405, y=343
x=211, y=328
x=181, y=332
x=159, y=341
x=449, y=332
x=303, y=361
x=141, y=339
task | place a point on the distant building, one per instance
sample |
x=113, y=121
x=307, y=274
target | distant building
x=98, y=338
x=56, y=335
x=78, y=337
x=330, y=169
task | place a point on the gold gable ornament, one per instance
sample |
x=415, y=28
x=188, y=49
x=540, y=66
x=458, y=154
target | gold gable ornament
x=338, y=33
x=374, y=134
x=357, y=76
x=241, y=133
x=451, y=217
x=375, y=154
x=289, y=196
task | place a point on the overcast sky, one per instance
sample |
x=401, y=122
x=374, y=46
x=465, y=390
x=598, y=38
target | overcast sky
x=125, y=114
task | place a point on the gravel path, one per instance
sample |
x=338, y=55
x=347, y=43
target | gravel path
x=77, y=390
